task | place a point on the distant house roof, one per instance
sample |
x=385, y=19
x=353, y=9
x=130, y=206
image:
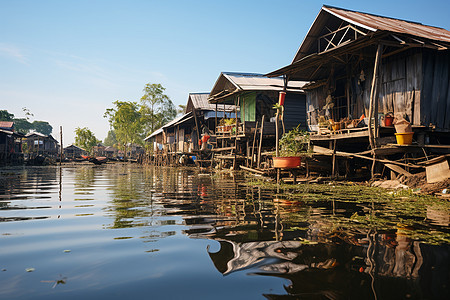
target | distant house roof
x=230, y=83
x=40, y=135
x=110, y=149
x=7, y=125
x=154, y=133
x=199, y=101
x=74, y=148
x=174, y=122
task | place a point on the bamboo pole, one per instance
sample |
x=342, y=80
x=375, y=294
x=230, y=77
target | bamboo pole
x=236, y=133
x=374, y=101
x=260, y=143
x=254, y=141
x=333, y=169
x=215, y=128
x=61, y=147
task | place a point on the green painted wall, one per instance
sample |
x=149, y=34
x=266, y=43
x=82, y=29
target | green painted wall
x=248, y=106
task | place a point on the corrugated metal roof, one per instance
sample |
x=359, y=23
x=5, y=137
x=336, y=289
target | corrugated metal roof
x=374, y=22
x=37, y=134
x=369, y=22
x=6, y=124
x=200, y=102
x=154, y=133
x=169, y=124
x=230, y=83
x=177, y=120
x=256, y=82
x=74, y=146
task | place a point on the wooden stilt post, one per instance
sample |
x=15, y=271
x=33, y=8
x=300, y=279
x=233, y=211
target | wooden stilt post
x=333, y=169
x=61, y=145
x=215, y=128
x=373, y=97
x=236, y=134
x=258, y=164
x=253, y=147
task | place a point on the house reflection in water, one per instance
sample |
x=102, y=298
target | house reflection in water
x=308, y=243
x=385, y=266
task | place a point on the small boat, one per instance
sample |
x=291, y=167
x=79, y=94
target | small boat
x=98, y=160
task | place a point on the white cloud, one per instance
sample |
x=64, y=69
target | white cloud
x=11, y=51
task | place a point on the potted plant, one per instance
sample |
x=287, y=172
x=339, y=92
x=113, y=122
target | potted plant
x=292, y=146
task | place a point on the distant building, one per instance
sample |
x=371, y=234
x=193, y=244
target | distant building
x=99, y=150
x=73, y=151
x=10, y=144
x=7, y=125
x=41, y=144
x=110, y=152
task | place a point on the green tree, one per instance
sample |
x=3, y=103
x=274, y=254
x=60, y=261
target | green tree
x=27, y=113
x=181, y=109
x=110, y=139
x=22, y=125
x=156, y=107
x=85, y=138
x=125, y=119
x=6, y=116
x=42, y=126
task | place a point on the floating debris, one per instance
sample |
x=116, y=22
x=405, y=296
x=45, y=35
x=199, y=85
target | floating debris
x=30, y=269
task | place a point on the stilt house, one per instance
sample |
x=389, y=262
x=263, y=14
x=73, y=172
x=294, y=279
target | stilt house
x=363, y=69
x=254, y=96
x=362, y=65
x=10, y=144
x=41, y=144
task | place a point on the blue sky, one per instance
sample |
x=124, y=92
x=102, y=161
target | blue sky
x=67, y=61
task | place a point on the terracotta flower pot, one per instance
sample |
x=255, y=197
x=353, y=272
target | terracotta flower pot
x=286, y=162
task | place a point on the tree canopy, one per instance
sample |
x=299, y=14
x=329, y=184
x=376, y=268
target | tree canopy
x=85, y=138
x=156, y=108
x=110, y=139
x=125, y=118
x=132, y=121
x=23, y=125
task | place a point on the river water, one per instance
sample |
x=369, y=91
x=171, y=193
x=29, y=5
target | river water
x=123, y=231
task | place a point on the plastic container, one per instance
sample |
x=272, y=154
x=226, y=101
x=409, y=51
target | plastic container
x=388, y=119
x=404, y=138
x=281, y=98
x=286, y=162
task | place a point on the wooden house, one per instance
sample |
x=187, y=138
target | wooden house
x=181, y=136
x=73, y=151
x=110, y=152
x=254, y=96
x=10, y=144
x=339, y=56
x=165, y=143
x=363, y=68
x=39, y=144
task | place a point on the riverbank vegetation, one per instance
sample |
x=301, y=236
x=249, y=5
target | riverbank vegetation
x=416, y=216
x=24, y=125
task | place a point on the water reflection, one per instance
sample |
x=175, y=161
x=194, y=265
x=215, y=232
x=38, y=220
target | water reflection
x=309, y=245
x=318, y=242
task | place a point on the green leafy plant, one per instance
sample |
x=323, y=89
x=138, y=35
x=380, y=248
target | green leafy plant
x=231, y=121
x=294, y=143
